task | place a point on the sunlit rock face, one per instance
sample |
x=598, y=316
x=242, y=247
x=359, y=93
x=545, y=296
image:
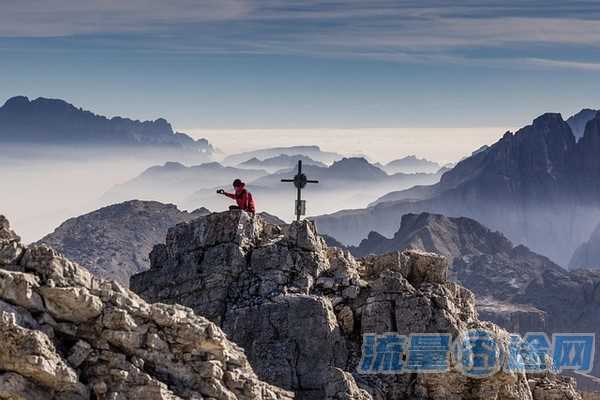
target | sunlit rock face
x=299, y=308
x=67, y=335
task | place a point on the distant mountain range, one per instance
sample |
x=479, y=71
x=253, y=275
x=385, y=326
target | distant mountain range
x=51, y=121
x=411, y=164
x=540, y=186
x=314, y=152
x=114, y=242
x=173, y=181
x=282, y=161
x=345, y=183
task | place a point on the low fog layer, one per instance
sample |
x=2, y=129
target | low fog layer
x=42, y=186
x=47, y=185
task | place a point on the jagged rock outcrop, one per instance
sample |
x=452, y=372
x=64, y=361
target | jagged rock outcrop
x=114, y=242
x=539, y=186
x=515, y=288
x=299, y=308
x=67, y=335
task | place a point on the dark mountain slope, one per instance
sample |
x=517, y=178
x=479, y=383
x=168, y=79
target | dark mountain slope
x=538, y=186
x=56, y=122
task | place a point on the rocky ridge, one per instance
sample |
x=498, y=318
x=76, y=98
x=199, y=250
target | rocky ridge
x=299, y=308
x=67, y=335
x=515, y=288
x=114, y=242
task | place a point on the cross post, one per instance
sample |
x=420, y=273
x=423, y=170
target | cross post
x=300, y=181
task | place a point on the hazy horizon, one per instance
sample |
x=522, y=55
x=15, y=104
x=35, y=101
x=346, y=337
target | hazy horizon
x=442, y=145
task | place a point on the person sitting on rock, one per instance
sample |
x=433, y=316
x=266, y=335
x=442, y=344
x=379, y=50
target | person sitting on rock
x=244, y=198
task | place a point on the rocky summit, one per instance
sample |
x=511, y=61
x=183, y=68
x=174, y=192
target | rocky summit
x=300, y=308
x=67, y=335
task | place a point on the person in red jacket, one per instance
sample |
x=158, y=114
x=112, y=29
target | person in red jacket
x=241, y=196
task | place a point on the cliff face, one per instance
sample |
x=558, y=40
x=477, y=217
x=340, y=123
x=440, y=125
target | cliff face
x=67, y=335
x=113, y=242
x=538, y=186
x=299, y=308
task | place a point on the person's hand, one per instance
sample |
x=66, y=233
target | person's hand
x=220, y=191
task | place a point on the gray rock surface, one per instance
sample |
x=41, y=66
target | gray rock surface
x=299, y=308
x=515, y=288
x=68, y=335
x=114, y=242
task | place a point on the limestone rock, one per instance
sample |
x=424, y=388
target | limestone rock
x=93, y=339
x=299, y=309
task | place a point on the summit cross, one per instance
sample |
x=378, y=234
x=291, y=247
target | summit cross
x=300, y=181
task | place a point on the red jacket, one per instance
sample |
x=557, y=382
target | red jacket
x=244, y=200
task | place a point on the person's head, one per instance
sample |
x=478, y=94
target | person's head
x=238, y=185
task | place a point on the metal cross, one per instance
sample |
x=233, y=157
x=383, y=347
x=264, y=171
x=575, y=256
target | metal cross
x=300, y=181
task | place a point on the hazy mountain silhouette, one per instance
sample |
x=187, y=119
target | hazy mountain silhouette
x=345, y=183
x=411, y=164
x=314, y=152
x=282, y=161
x=173, y=181
x=56, y=122
x=538, y=186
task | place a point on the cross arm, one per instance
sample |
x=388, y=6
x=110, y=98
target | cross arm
x=309, y=181
x=287, y=180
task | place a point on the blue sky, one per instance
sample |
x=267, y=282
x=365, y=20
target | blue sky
x=306, y=64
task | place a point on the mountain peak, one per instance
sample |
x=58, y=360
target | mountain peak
x=548, y=120
x=578, y=121
x=15, y=102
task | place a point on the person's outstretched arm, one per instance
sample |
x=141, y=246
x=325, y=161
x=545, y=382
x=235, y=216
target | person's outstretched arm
x=224, y=193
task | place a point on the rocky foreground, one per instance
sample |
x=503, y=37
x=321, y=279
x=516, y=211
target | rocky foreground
x=299, y=309
x=67, y=335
